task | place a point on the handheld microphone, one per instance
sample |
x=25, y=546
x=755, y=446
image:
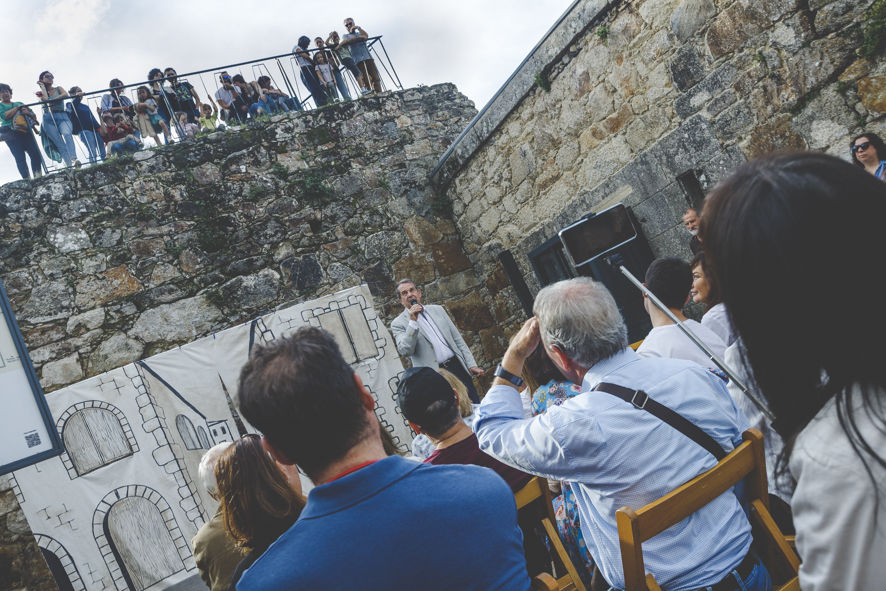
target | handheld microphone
x=413, y=302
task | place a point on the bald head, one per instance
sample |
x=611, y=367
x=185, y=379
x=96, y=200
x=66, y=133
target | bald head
x=206, y=469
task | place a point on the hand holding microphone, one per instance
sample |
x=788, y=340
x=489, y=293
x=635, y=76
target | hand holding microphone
x=415, y=309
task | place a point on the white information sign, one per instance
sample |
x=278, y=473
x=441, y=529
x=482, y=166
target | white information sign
x=27, y=432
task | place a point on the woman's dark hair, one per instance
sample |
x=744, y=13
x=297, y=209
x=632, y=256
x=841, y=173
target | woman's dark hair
x=264, y=81
x=5, y=86
x=540, y=369
x=257, y=501
x=238, y=78
x=670, y=279
x=115, y=83
x=304, y=42
x=714, y=296
x=154, y=72
x=791, y=240
x=146, y=89
x=43, y=73
x=876, y=143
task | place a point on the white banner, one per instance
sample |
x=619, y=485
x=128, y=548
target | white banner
x=118, y=509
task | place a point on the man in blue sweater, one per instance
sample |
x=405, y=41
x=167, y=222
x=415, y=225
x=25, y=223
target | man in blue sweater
x=372, y=522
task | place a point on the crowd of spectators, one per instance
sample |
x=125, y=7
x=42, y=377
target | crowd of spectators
x=172, y=107
x=781, y=225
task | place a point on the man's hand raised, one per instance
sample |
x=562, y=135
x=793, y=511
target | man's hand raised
x=525, y=341
x=415, y=310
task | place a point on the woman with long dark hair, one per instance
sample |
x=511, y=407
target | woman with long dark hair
x=56, y=123
x=869, y=152
x=258, y=501
x=706, y=291
x=795, y=243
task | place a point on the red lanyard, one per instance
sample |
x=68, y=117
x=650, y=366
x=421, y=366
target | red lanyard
x=350, y=470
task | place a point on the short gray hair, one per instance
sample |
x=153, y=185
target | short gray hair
x=401, y=282
x=206, y=469
x=580, y=317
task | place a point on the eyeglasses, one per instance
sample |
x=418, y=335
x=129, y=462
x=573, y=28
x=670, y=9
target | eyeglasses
x=349, y=24
x=862, y=146
x=49, y=76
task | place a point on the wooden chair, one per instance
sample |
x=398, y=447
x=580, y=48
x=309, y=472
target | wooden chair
x=747, y=460
x=536, y=491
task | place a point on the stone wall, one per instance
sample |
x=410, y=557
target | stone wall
x=646, y=91
x=114, y=263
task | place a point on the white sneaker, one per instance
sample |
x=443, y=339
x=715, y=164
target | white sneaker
x=365, y=91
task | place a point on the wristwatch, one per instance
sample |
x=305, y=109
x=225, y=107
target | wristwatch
x=501, y=372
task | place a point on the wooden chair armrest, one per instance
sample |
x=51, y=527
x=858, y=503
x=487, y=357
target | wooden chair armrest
x=544, y=582
x=792, y=541
x=652, y=583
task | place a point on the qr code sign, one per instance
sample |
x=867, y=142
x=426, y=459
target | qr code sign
x=32, y=438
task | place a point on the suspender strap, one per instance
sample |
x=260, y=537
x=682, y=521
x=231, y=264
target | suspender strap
x=641, y=400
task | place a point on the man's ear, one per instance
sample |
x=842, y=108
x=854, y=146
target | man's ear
x=278, y=455
x=415, y=428
x=368, y=400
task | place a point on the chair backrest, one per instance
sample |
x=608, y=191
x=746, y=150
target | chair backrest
x=536, y=492
x=747, y=461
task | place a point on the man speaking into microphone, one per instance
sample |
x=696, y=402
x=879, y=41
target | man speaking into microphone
x=427, y=336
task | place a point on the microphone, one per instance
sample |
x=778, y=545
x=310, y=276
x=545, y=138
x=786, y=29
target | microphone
x=413, y=302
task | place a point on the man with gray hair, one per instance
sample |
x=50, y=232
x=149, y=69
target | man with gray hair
x=610, y=447
x=214, y=550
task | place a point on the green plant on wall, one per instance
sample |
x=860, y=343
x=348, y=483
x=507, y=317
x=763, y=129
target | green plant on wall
x=256, y=192
x=279, y=171
x=542, y=82
x=602, y=33
x=211, y=229
x=875, y=30
x=312, y=187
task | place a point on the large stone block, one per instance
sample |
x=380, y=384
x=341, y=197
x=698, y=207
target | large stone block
x=686, y=67
x=691, y=16
x=813, y=66
x=62, y=372
x=494, y=341
x=702, y=93
x=50, y=301
x=302, y=272
x=68, y=238
x=773, y=136
x=836, y=15
x=450, y=257
x=251, y=292
x=734, y=26
x=685, y=147
x=872, y=92
x=115, y=351
x=471, y=313
x=184, y=320
x=106, y=287
x=416, y=267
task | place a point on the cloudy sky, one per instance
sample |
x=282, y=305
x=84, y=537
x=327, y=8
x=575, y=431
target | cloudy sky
x=474, y=44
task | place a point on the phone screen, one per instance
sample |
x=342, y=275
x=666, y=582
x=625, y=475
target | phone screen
x=587, y=239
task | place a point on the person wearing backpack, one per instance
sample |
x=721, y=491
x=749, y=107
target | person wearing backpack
x=15, y=129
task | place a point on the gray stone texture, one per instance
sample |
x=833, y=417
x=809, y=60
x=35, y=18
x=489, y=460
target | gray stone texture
x=110, y=264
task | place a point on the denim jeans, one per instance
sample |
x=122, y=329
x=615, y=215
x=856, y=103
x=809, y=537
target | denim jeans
x=94, y=145
x=118, y=147
x=20, y=144
x=340, y=83
x=309, y=79
x=60, y=130
x=758, y=580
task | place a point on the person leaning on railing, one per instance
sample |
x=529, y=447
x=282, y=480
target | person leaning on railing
x=356, y=42
x=56, y=123
x=335, y=65
x=344, y=56
x=19, y=141
x=85, y=126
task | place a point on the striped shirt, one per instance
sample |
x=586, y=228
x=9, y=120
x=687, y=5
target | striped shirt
x=614, y=454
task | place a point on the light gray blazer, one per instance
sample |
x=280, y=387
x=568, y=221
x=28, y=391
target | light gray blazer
x=414, y=343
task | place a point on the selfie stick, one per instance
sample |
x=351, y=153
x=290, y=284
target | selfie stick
x=616, y=262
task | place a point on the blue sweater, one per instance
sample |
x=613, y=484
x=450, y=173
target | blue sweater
x=399, y=524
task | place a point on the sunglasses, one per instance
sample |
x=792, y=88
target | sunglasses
x=349, y=24
x=863, y=146
x=49, y=76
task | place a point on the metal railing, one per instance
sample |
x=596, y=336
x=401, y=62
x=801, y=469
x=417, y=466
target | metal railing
x=291, y=83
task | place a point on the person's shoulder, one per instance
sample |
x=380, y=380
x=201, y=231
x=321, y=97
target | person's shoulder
x=458, y=479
